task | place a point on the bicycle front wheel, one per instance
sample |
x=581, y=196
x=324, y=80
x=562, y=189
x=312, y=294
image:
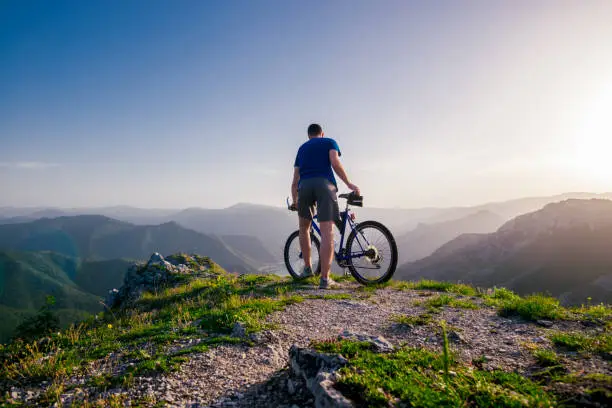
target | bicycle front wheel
x=372, y=253
x=294, y=260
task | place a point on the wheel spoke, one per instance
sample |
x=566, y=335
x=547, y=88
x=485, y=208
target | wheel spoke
x=293, y=256
x=374, y=238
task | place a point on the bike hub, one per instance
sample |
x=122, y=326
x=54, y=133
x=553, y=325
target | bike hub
x=372, y=254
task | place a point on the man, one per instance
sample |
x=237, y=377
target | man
x=314, y=183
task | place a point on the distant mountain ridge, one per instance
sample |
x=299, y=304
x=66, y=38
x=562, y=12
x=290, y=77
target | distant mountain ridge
x=512, y=208
x=564, y=249
x=272, y=225
x=426, y=238
x=97, y=237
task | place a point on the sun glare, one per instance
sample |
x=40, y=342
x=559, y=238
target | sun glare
x=592, y=152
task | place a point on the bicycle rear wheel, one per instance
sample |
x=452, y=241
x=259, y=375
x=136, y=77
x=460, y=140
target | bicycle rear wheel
x=294, y=261
x=372, y=253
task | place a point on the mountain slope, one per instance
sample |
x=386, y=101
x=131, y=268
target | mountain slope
x=426, y=238
x=269, y=224
x=250, y=247
x=513, y=208
x=98, y=277
x=563, y=249
x=95, y=237
x=26, y=279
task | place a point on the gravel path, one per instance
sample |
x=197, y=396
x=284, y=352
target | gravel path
x=241, y=376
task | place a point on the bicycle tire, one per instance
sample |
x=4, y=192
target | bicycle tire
x=393, y=252
x=296, y=235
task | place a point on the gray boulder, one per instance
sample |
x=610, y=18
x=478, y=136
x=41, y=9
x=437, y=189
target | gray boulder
x=148, y=277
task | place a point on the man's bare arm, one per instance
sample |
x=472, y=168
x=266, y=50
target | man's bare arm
x=339, y=169
x=294, y=184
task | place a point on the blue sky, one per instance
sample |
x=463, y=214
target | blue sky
x=204, y=103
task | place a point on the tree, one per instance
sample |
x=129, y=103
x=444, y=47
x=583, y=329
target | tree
x=41, y=324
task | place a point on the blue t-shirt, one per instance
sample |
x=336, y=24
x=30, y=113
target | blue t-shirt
x=313, y=158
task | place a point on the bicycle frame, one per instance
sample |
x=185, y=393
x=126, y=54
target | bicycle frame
x=341, y=255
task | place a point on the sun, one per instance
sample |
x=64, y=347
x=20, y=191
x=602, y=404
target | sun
x=592, y=151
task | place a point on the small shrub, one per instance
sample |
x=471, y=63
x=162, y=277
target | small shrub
x=532, y=307
x=41, y=324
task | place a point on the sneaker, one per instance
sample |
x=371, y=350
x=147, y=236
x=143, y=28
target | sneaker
x=306, y=273
x=328, y=283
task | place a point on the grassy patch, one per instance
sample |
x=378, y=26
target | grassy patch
x=596, y=377
x=600, y=343
x=418, y=320
x=249, y=312
x=546, y=358
x=342, y=278
x=415, y=377
x=198, y=306
x=372, y=288
x=442, y=300
x=594, y=312
x=499, y=296
x=597, y=386
x=426, y=284
x=536, y=307
x=533, y=307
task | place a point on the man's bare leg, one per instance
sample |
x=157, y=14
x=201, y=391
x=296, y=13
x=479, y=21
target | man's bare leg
x=327, y=247
x=305, y=241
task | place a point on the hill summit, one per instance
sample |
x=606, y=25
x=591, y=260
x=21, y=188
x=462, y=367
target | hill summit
x=183, y=332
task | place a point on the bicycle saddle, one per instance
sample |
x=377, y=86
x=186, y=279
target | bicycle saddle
x=353, y=199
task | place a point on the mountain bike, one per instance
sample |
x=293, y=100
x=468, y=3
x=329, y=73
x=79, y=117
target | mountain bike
x=370, y=253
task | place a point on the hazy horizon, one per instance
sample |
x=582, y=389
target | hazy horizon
x=277, y=205
x=172, y=105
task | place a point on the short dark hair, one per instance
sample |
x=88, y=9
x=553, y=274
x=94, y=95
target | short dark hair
x=314, y=130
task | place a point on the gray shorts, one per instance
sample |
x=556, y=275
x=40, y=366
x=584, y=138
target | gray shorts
x=321, y=191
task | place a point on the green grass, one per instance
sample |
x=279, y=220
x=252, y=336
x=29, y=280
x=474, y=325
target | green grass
x=592, y=312
x=342, y=278
x=446, y=353
x=199, y=307
x=575, y=341
x=538, y=306
x=249, y=312
x=498, y=296
x=546, y=358
x=533, y=307
x=416, y=377
x=439, y=301
x=597, y=386
x=426, y=284
x=418, y=320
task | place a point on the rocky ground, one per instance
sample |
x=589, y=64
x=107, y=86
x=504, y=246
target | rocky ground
x=243, y=376
x=258, y=374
